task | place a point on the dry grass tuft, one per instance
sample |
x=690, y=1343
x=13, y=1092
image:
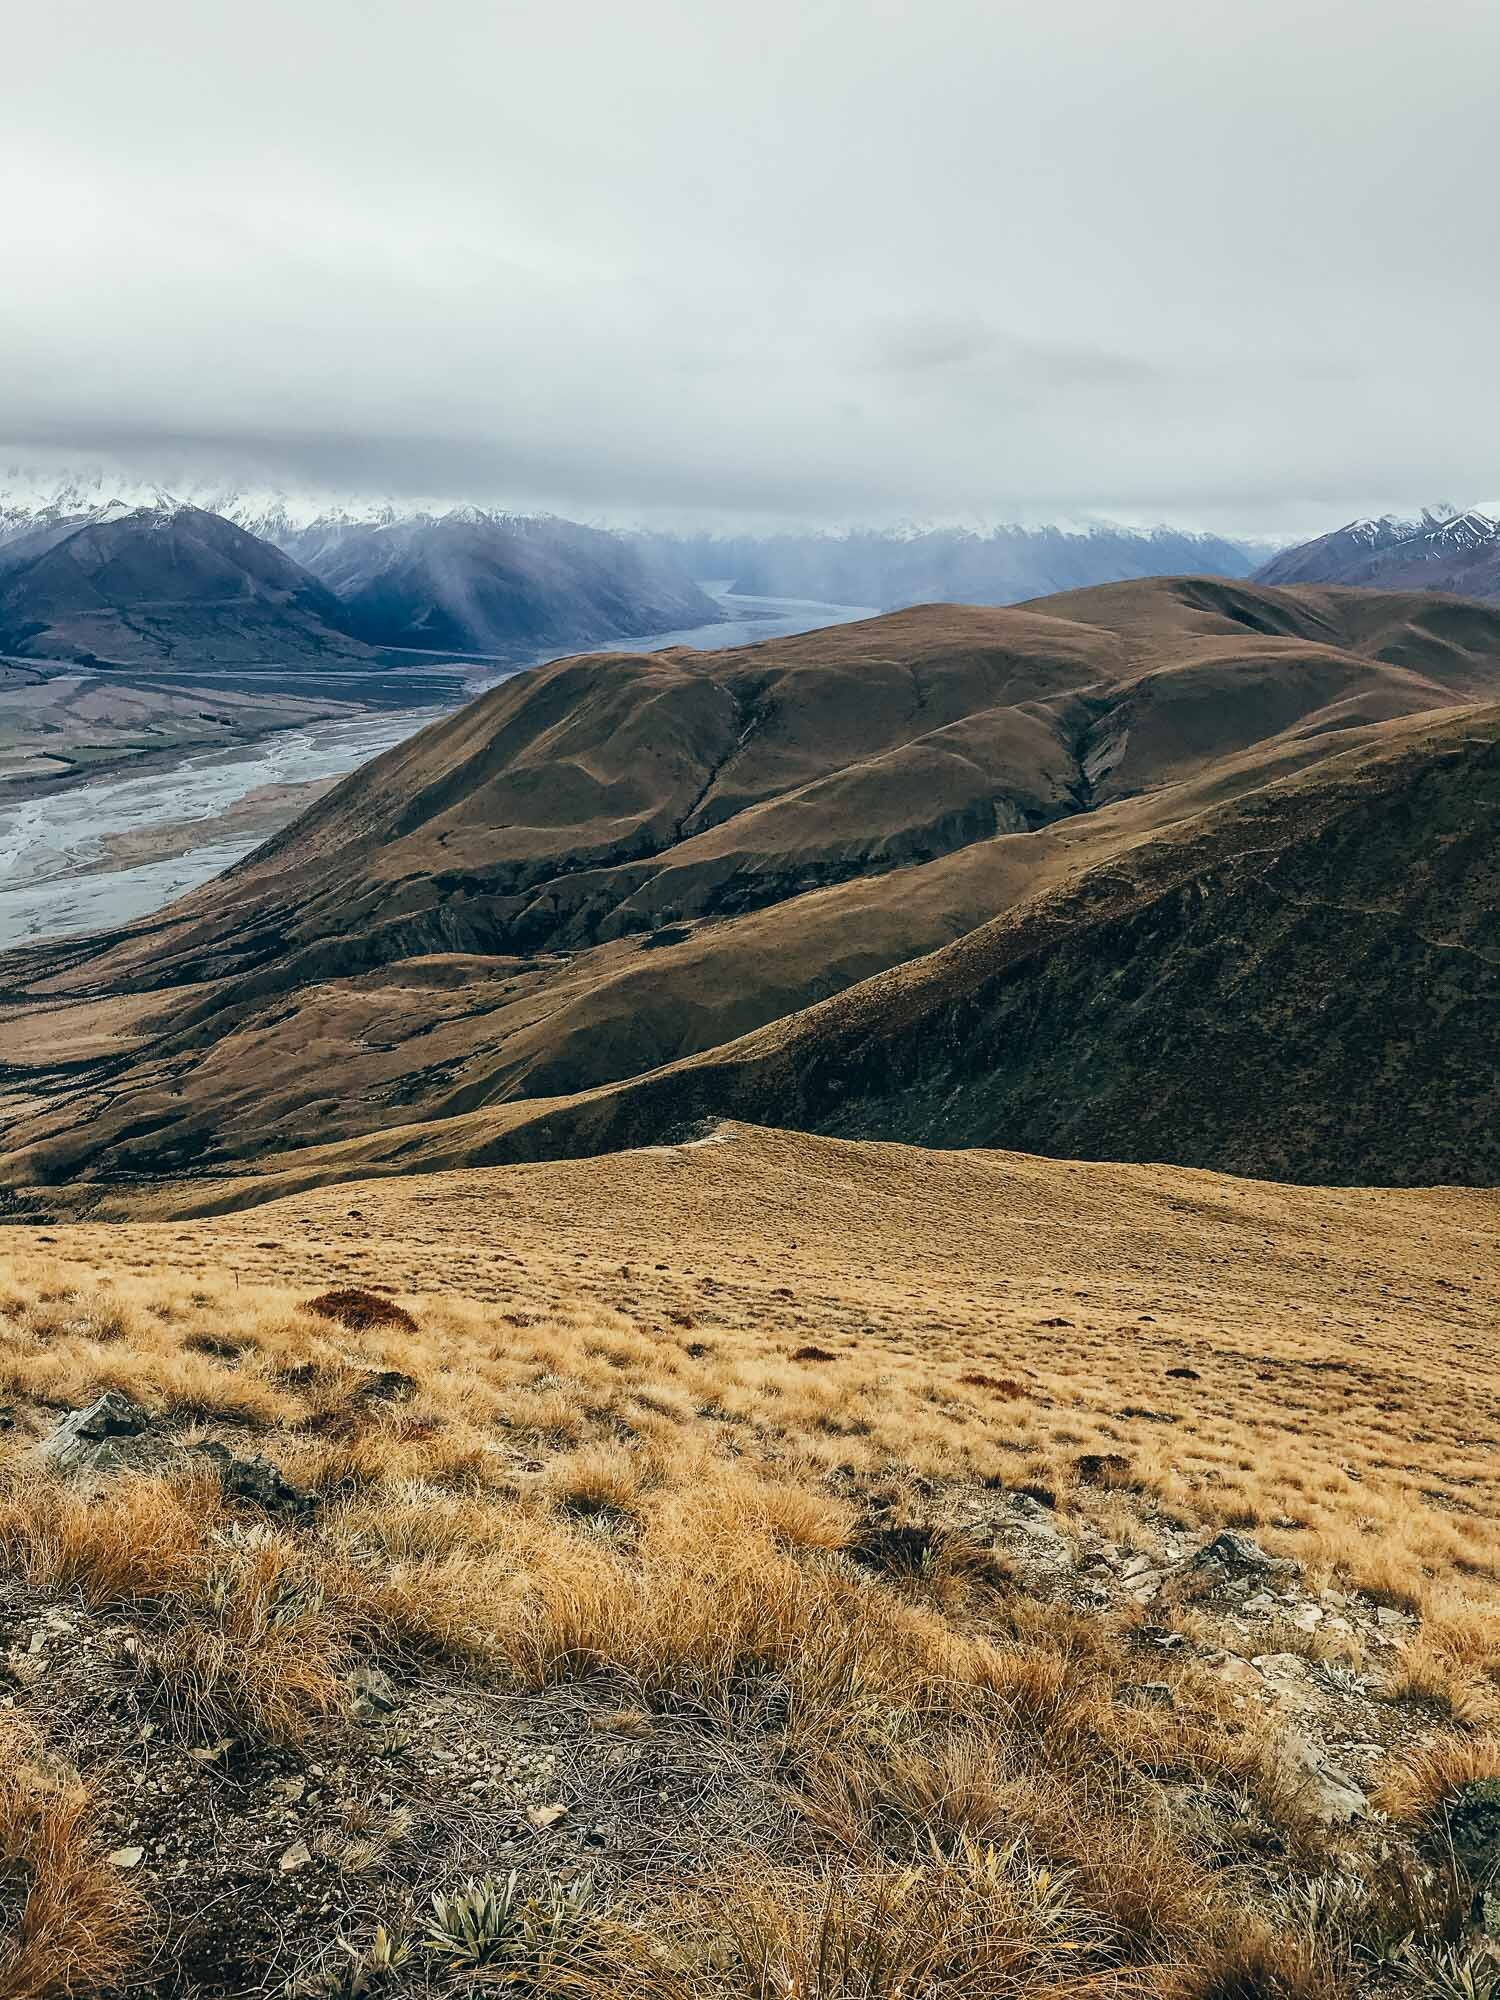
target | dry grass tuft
x=69, y=1923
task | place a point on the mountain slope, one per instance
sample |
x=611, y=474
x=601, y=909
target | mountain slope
x=464, y=580
x=161, y=587
x=625, y=862
x=472, y=581
x=1446, y=551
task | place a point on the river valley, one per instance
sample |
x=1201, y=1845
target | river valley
x=111, y=849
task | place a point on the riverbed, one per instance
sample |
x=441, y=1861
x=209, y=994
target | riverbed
x=116, y=848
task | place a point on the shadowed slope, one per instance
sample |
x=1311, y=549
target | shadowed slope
x=158, y=588
x=618, y=863
x=470, y=580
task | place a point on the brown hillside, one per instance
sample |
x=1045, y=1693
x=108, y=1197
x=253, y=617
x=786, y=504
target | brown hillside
x=619, y=864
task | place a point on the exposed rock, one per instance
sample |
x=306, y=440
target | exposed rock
x=99, y=1438
x=374, y=1692
x=1239, y=1672
x=255, y=1480
x=1327, y=1794
x=1234, y=1555
x=1031, y=1520
x=1285, y=1675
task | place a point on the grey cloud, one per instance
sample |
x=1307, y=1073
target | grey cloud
x=815, y=260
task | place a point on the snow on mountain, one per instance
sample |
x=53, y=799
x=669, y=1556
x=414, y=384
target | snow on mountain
x=33, y=496
x=1444, y=548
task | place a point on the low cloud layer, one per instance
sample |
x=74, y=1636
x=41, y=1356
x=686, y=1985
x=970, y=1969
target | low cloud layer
x=815, y=260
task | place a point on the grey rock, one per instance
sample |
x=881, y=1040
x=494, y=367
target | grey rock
x=97, y=1439
x=374, y=1692
x=255, y=1480
x=1231, y=1554
x=1328, y=1795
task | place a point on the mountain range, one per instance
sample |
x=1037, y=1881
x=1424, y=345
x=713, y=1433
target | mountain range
x=102, y=571
x=1007, y=564
x=1178, y=870
x=438, y=577
x=1442, y=549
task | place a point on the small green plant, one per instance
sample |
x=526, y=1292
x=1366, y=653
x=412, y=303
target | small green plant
x=561, y=1909
x=1450, y=1972
x=477, y=1924
x=368, y=1969
x=1327, y=1905
x=488, y=1920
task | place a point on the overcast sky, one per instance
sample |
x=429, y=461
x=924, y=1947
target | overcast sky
x=1232, y=265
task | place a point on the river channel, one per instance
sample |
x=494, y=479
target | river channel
x=105, y=852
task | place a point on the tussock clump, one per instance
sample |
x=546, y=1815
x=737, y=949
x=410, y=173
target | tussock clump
x=69, y=1922
x=360, y=1310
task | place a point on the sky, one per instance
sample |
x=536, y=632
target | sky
x=797, y=261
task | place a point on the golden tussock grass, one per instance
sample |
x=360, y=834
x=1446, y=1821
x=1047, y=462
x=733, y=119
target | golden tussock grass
x=68, y=1921
x=634, y=1480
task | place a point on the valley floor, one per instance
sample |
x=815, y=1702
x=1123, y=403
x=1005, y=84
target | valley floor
x=818, y=1568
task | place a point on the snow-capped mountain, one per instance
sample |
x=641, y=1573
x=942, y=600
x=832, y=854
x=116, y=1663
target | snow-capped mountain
x=33, y=496
x=416, y=575
x=1443, y=548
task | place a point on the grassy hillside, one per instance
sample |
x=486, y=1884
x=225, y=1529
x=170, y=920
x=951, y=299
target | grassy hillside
x=788, y=1615
x=598, y=881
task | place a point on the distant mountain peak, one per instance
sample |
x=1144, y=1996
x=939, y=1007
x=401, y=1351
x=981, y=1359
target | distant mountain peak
x=1444, y=548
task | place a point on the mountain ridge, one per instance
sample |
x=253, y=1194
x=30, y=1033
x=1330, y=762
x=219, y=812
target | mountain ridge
x=151, y=586
x=626, y=864
x=1444, y=549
